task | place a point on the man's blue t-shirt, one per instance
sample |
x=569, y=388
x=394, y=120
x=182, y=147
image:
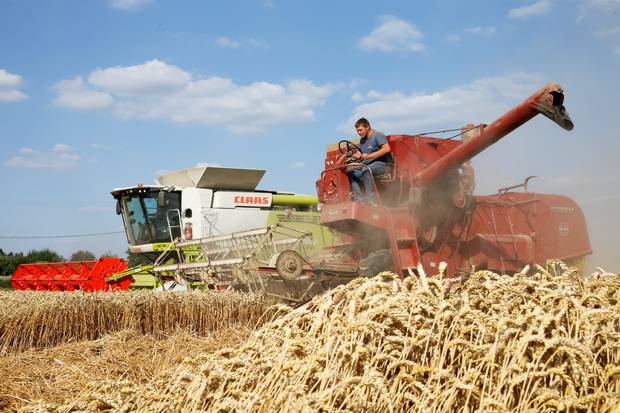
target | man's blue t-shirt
x=373, y=144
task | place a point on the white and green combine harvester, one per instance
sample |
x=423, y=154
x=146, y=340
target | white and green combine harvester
x=210, y=227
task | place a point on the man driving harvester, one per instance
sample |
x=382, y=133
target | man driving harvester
x=375, y=153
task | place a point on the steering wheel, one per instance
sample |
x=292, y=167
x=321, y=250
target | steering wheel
x=347, y=148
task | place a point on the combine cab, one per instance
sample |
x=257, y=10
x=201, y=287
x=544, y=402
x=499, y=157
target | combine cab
x=208, y=201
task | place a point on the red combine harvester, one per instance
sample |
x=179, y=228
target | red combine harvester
x=428, y=214
x=89, y=276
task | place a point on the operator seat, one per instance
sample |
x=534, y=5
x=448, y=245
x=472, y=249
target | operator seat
x=387, y=186
x=387, y=176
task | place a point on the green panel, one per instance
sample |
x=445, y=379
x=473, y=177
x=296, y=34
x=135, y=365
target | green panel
x=162, y=246
x=304, y=221
x=142, y=275
x=144, y=280
x=294, y=200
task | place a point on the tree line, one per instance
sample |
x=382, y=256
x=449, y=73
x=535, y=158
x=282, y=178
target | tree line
x=10, y=261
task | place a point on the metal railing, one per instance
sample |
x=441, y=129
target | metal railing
x=244, y=257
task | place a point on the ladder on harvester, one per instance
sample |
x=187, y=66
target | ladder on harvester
x=246, y=259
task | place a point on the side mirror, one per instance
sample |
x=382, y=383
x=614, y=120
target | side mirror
x=119, y=209
x=161, y=199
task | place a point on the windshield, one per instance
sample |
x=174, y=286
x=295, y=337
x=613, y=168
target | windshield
x=147, y=223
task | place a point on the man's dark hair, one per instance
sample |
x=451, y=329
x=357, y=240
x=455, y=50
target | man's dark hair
x=362, y=122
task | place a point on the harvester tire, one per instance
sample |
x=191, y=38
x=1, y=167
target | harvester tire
x=289, y=265
x=376, y=262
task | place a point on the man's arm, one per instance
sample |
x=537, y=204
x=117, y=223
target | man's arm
x=385, y=149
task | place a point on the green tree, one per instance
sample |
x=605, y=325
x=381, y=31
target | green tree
x=10, y=261
x=82, y=255
x=44, y=255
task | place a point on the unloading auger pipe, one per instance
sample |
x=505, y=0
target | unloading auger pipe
x=548, y=101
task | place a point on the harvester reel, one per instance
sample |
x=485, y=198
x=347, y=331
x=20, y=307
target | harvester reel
x=289, y=265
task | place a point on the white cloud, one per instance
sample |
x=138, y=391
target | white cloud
x=156, y=90
x=76, y=94
x=227, y=42
x=151, y=78
x=357, y=97
x=297, y=165
x=128, y=4
x=393, y=35
x=534, y=9
x=485, y=31
x=9, y=80
x=59, y=157
x=12, y=95
x=9, y=85
x=479, y=101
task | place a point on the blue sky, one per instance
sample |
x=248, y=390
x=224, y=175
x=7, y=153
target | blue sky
x=108, y=93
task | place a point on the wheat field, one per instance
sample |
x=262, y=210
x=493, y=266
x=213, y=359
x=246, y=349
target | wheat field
x=54, y=345
x=543, y=340
x=56, y=373
x=32, y=319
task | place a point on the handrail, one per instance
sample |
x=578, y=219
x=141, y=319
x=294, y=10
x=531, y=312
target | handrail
x=523, y=184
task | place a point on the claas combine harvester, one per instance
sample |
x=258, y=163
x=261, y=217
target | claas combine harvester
x=191, y=203
x=427, y=215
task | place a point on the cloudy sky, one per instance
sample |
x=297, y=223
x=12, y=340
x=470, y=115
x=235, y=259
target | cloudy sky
x=109, y=93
